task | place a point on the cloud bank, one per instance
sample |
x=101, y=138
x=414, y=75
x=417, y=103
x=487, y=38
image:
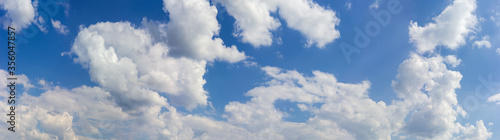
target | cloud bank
x=145, y=73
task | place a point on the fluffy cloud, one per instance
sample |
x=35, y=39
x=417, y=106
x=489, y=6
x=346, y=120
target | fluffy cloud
x=449, y=29
x=346, y=112
x=52, y=114
x=19, y=13
x=138, y=68
x=136, y=64
x=494, y=98
x=94, y=113
x=127, y=62
x=192, y=29
x=483, y=43
x=34, y=119
x=21, y=79
x=59, y=27
x=426, y=85
x=452, y=60
x=313, y=21
x=254, y=22
x=428, y=88
x=479, y=131
x=427, y=108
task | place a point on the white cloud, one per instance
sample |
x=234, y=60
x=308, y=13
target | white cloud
x=479, y=132
x=88, y=102
x=427, y=108
x=21, y=80
x=279, y=55
x=498, y=51
x=341, y=102
x=39, y=123
x=494, y=98
x=483, y=43
x=339, y=110
x=192, y=31
x=250, y=64
x=254, y=22
x=495, y=15
x=19, y=13
x=313, y=21
x=40, y=23
x=66, y=8
x=91, y=113
x=59, y=27
x=428, y=89
x=375, y=4
x=133, y=67
x=452, y=60
x=424, y=85
x=136, y=64
x=449, y=29
x=114, y=52
x=348, y=5
x=63, y=114
x=127, y=62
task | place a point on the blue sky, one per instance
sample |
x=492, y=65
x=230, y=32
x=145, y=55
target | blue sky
x=223, y=69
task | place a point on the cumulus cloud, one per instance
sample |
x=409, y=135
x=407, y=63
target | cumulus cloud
x=62, y=29
x=313, y=21
x=448, y=29
x=127, y=62
x=55, y=124
x=93, y=113
x=21, y=79
x=427, y=108
x=342, y=114
x=255, y=24
x=479, y=131
x=253, y=20
x=498, y=51
x=34, y=120
x=139, y=68
x=135, y=64
x=19, y=13
x=452, y=60
x=428, y=89
x=483, y=43
x=192, y=31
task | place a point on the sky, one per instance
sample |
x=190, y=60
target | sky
x=253, y=69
